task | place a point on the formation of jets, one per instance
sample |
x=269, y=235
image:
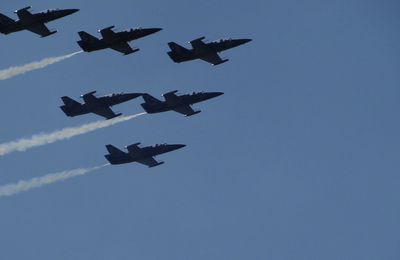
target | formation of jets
x=119, y=41
x=102, y=105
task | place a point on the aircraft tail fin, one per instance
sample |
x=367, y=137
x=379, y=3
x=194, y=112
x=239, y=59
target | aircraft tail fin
x=177, y=49
x=69, y=102
x=114, y=150
x=150, y=99
x=87, y=36
x=150, y=103
x=5, y=22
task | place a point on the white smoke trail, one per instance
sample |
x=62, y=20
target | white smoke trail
x=18, y=70
x=26, y=185
x=66, y=133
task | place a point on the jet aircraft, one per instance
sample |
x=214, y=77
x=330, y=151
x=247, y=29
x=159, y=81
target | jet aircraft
x=180, y=104
x=92, y=104
x=143, y=155
x=33, y=22
x=117, y=41
x=204, y=51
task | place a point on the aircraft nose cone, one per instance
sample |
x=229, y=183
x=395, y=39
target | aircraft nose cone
x=243, y=41
x=132, y=95
x=151, y=30
x=178, y=146
x=216, y=94
x=71, y=11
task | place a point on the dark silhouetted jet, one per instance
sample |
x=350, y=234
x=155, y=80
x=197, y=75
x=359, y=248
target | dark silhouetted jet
x=117, y=41
x=33, y=22
x=180, y=104
x=137, y=154
x=205, y=51
x=99, y=106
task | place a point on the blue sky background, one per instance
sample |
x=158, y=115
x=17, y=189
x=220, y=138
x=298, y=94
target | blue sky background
x=298, y=160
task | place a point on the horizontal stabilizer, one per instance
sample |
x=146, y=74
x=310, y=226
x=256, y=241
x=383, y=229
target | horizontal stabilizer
x=5, y=24
x=5, y=20
x=67, y=110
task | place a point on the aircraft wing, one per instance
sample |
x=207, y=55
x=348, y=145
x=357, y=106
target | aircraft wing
x=114, y=150
x=89, y=97
x=24, y=14
x=40, y=29
x=185, y=110
x=108, y=33
x=123, y=47
x=171, y=98
x=213, y=58
x=105, y=112
x=150, y=162
x=134, y=149
x=199, y=44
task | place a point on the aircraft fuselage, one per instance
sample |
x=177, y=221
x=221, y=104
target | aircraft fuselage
x=38, y=18
x=208, y=48
x=118, y=37
x=184, y=100
x=145, y=152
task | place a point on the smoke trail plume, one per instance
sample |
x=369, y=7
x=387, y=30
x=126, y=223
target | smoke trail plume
x=18, y=70
x=26, y=185
x=66, y=133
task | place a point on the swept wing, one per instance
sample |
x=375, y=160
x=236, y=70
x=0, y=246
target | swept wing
x=213, y=58
x=135, y=150
x=24, y=14
x=173, y=99
x=185, y=110
x=150, y=162
x=108, y=33
x=105, y=112
x=40, y=29
x=123, y=47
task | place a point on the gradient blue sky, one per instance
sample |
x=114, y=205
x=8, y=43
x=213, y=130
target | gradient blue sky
x=298, y=160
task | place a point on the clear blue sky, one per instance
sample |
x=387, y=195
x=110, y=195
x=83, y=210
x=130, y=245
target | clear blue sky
x=298, y=160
